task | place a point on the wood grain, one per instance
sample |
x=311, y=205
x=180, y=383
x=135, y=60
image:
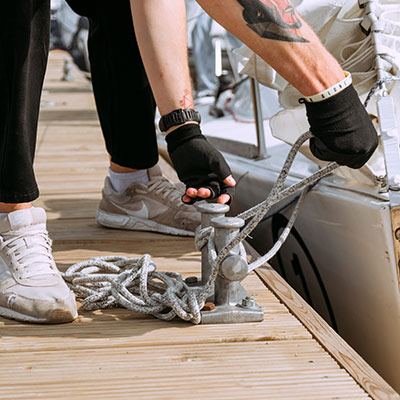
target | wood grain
x=118, y=354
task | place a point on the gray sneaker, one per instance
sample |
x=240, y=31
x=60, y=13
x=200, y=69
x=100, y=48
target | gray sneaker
x=31, y=287
x=155, y=206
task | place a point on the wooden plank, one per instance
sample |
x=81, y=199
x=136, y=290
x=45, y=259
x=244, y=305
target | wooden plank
x=295, y=369
x=142, y=332
x=70, y=205
x=351, y=361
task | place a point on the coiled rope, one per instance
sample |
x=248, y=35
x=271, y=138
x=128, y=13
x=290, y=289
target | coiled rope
x=134, y=283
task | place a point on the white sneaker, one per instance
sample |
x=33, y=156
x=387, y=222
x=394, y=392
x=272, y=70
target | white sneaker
x=31, y=287
x=155, y=206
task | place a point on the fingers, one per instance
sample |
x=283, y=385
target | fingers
x=214, y=190
x=224, y=198
x=230, y=181
x=204, y=193
x=190, y=196
x=193, y=194
x=187, y=199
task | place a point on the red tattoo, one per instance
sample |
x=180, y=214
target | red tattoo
x=186, y=101
x=272, y=19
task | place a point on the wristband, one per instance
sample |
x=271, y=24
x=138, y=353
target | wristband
x=332, y=91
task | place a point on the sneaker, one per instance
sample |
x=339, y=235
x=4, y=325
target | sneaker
x=31, y=287
x=154, y=206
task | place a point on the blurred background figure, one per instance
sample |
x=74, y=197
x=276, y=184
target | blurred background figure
x=210, y=48
x=202, y=50
x=214, y=70
x=69, y=32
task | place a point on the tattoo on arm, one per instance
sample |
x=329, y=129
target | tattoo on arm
x=273, y=19
x=186, y=101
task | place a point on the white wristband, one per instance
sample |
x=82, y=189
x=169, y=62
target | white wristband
x=335, y=89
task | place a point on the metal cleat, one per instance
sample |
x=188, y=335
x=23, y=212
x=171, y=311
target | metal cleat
x=232, y=302
x=208, y=212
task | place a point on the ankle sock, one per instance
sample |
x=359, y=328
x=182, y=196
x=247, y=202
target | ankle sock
x=120, y=181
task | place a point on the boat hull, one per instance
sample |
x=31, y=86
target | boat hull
x=340, y=255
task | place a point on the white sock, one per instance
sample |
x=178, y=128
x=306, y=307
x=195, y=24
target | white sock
x=121, y=180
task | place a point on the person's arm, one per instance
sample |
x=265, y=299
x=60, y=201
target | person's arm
x=160, y=28
x=276, y=32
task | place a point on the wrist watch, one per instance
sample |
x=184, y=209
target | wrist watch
x=178, y=117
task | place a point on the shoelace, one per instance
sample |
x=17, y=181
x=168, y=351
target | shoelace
x=165, y=189
x=31, y=252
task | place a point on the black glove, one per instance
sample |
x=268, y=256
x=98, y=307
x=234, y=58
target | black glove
x=198, y=163
x=342, y=128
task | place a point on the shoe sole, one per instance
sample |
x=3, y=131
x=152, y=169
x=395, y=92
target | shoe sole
x=137, y=224
x=57, y=316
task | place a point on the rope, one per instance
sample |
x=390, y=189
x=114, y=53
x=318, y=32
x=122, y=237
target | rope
x=379, y=84
x=134, y=283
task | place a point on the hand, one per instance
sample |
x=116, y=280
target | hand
x=199, y=165
x=343, y=129
x=193, y=194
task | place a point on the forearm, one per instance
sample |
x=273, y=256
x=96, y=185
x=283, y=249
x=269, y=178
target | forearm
x=160, y=27
x=277, y=33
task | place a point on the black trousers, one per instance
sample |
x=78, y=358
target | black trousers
x=124, y=100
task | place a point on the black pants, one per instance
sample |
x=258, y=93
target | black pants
x=124, y=100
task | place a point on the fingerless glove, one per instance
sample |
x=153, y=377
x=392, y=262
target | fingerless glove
x=342, y=128
x=197, y=162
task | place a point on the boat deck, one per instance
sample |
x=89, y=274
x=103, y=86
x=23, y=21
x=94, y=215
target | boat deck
x=117, y=354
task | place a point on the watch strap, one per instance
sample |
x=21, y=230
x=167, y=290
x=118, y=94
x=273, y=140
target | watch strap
x=178, y=117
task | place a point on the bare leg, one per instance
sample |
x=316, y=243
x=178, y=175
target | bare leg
x=9, y=207
x=275, y=31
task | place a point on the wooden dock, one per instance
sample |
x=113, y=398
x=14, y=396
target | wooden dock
x=117, y=354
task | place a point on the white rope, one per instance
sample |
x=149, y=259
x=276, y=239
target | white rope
x=276, y=195
x=134, y=283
